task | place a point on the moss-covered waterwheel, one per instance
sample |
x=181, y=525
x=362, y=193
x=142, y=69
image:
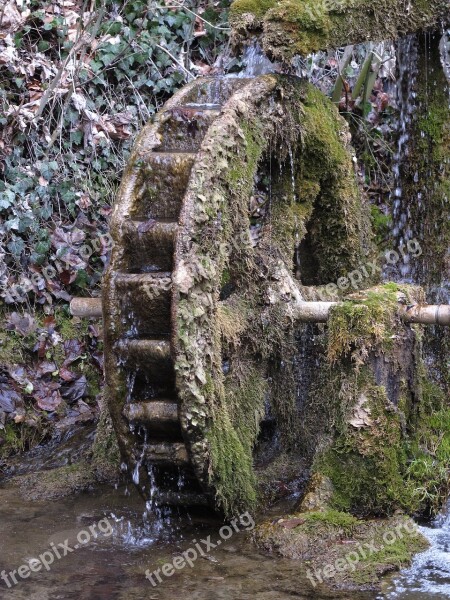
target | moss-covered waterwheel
x=219, y=194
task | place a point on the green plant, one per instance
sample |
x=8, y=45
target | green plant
x=73, y=93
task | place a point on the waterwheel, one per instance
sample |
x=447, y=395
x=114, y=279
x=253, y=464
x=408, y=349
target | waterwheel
x=208, y=227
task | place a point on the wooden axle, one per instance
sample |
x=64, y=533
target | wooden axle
x=427, y=314
x=86, y=307
x=305, y=312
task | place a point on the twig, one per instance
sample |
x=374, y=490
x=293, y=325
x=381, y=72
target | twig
x=48, y=92
x=195, y=15
x=188, y=73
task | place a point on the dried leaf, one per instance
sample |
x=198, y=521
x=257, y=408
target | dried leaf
x=72, y=350
x=44, y=368
x=66, y=374
x=74, y=391
x=361, y=414
x=8, y=398
x=47, y=395
x=291, y=523
x=23, y=324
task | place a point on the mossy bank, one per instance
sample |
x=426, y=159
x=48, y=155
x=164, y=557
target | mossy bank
x=293, y=27
x=338, y=551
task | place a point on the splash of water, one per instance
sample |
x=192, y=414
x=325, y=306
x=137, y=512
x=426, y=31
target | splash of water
x=256, y=62
x=445, y=52
x=429, y=574
x=140, y=461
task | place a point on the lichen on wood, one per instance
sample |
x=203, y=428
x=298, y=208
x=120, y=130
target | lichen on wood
x=227, y=348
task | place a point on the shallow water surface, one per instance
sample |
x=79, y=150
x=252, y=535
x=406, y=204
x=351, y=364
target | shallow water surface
x=112, y=567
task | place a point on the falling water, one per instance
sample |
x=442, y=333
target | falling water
x=256, y=62
x=140, y=461
x=429, y=574
x=445, y=51
x=406, y=102
x=161, y=515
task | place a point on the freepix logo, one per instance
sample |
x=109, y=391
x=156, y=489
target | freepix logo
x=57, y=551
x=200, y=548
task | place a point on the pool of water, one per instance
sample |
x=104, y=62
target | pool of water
x=113, y=564
x=118, y=545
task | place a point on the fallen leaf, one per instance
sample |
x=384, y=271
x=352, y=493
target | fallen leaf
x=23, y=324
x=47, y=395
x=72, y=350
x=19, y=374
x=74, y=391
x=8, y=398
x=66, y=374
x=44, y=368
x=50, y=403
x=291, y=523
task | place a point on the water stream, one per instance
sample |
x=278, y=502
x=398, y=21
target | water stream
x=403, y=231
x=112, y=566
x=429, y=574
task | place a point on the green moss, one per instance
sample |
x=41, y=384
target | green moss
x=376, y=547
x=17, y=438
x=310, y=20
x=367, y=462
x=294, y=27
x=383, y=454
x=255, y=7
x=57, y=483
x=333, y=518
x=227, y=350
x=289, y=224
x=390, y=556
x=12, y=347
x=339, y=235
x=356, y=327
x=427, y=170
x=68, y=326
x=105, y=459
x=429, y=448
x=381, y=225
x=232, y=437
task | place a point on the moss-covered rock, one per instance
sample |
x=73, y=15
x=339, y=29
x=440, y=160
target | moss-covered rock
x=383, y=439
x=339, y=551
x=57, y=483
x=105, y=457
x=291, y=27
x=93, y=463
